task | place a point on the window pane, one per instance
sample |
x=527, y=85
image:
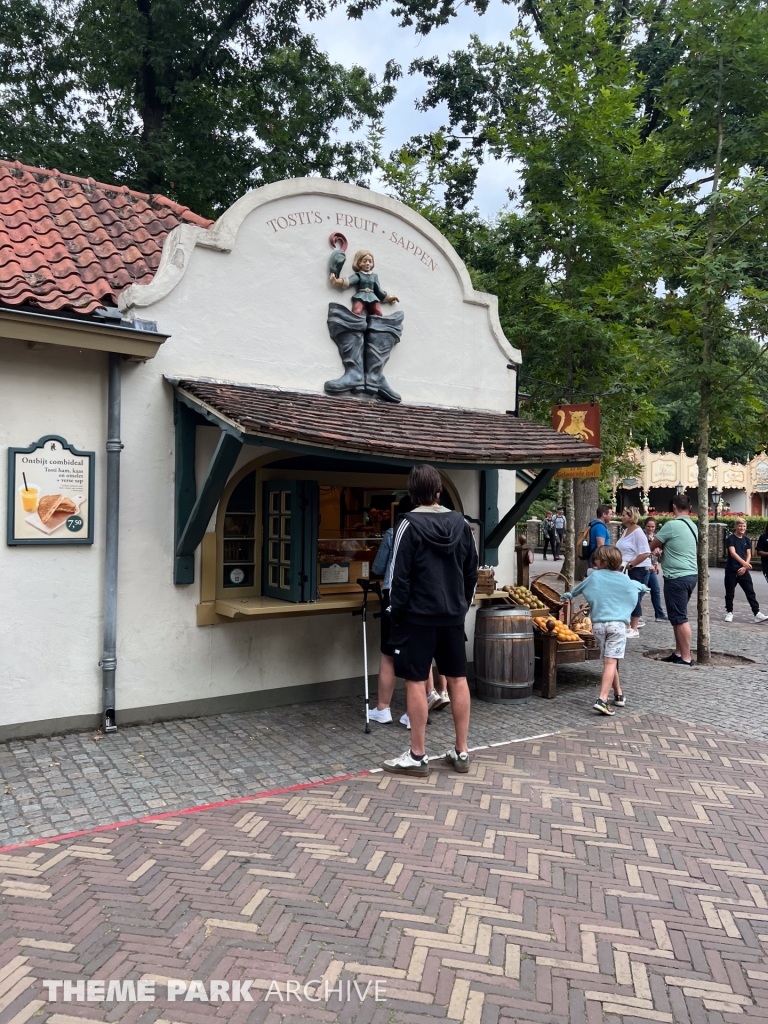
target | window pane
x=238, y=550
x=286, y=505
x=238, y=526
x=285, y=553
x=285, y=577
x=243, y=498
x=272, y=576
x=286, y=527
x=274, y=501
x=274, y=551
x=274, y=526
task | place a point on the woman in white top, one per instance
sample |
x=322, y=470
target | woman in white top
x=636, y=553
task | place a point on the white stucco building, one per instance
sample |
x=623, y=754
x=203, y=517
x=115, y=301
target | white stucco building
x=250, y=499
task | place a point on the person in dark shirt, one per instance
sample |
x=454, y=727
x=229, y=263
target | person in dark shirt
x=737, y=570
x=762, y=551
x=548, y=534
x=434, y=575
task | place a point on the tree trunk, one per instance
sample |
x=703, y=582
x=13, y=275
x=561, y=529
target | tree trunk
x=568, y=541
x=152, y=110
x=703, y=645
x=586, y=496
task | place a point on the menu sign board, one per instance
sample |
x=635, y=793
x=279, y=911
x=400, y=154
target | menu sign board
x=50, y=493
x=335, y=572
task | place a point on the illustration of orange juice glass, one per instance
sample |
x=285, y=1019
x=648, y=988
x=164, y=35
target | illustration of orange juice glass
x=29, y=496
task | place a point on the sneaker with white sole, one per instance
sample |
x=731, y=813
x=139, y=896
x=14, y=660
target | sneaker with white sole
x=436, y=701
x=632, y=634
x=407, y=765
x=729, y=616
x=459, y=762
x=383, y=715
x=446, y=696
x=603, y=707
x=759, y=617
x=619, y=700
x=405, y=720
x=641, y=623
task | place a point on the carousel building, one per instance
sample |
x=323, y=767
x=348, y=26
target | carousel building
x=658, y=476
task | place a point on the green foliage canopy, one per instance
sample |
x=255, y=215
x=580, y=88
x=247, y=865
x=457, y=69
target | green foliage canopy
x=609, y=119
x=200, y=101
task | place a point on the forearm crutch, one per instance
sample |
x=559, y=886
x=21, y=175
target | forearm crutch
x=366, y=585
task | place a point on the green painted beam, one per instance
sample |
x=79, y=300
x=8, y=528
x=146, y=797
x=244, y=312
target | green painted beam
x=521, y=506
x=185, y=420
x=222, y=464
x=489, y=513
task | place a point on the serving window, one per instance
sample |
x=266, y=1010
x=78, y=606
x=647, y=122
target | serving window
x=297, y=536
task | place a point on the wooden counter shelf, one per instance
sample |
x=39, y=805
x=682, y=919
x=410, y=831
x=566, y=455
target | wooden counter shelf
x=247, y=609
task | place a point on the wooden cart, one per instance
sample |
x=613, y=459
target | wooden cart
x=550, y=652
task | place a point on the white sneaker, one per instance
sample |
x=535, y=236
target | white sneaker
x=760, y=617
x=407, y=765
x=436, y=701
x=729, y=617
x=632, y=633
x=405, y=720
x=384, y=715
x=641, y=623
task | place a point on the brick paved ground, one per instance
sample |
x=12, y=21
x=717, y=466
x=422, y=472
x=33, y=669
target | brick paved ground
x=52, y=786
x=613, y=874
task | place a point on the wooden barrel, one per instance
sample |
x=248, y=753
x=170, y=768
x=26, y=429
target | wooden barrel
x=504, y=656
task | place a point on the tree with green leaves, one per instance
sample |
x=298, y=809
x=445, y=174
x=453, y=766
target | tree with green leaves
x=632, y=262
x=200, y=101
x=705, y=225
x=559, y=103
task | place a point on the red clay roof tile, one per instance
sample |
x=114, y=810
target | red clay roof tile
x=70, y=244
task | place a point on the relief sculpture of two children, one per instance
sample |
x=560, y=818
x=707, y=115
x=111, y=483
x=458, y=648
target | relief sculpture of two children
x=363, y=335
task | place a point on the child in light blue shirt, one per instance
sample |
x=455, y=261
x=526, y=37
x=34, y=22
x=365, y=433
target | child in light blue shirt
x=612, y=597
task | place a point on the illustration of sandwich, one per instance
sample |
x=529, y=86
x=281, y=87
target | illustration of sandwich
x=55, y=504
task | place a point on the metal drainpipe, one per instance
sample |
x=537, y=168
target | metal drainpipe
x=108, y=661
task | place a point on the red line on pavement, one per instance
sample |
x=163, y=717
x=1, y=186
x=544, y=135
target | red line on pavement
x=186, y=810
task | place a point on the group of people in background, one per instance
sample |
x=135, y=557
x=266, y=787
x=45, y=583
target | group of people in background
x=620, y=575
x=429, y=564
x=553, y=532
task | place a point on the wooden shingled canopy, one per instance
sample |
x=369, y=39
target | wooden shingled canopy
x=378, y=430
x=357, y=429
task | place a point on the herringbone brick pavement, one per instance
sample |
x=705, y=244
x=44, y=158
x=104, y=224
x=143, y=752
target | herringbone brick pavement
x=613, y=874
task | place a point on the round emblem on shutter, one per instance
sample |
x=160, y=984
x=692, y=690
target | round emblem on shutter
x=236, y=576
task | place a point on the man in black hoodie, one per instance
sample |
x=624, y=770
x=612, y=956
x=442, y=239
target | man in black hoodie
x=434, y=573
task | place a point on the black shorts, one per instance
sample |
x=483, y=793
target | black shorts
x=416, y=646
x=677, y=594
x=386, y=625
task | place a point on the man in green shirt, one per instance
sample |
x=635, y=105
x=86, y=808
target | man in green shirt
x=678, y=540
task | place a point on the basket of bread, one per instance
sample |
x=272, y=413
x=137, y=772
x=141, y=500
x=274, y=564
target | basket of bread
x=581, y=624
x=566, y=637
